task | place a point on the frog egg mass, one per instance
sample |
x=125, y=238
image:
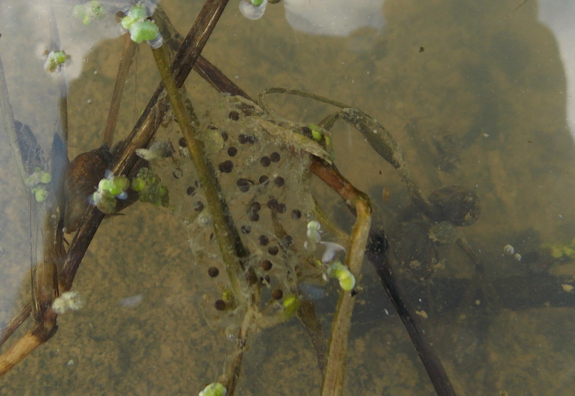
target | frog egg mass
x=262, y=180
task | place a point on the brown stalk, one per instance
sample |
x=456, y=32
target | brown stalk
x=203, y=67
x=334, y=374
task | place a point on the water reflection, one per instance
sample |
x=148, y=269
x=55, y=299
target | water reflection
x=558, y=16
x=334, y=17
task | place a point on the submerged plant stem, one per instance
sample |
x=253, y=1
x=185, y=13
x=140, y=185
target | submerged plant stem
x=377, y=254
x=127, y=56
x=335, y=368
x=222, y=232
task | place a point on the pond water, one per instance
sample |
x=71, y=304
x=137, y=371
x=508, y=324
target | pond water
x=477, y=93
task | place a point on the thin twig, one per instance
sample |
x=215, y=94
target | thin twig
x=203, y=67
x=377, y=254
x=127, y=56
x=15, y=322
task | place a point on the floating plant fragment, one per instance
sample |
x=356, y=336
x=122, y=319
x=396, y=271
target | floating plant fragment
x=158, y=150
x=150, y=189
x=89, y=12
x=140, y=28
x=115, y=185
x=253, y=9
x=40, y=193
x=38, y=177
x=561, y=250
x=36, y=182
x=68, y=301
x=214, y=389
x=54, y=60
x=313, y=228
x=110, y=188
x=343, y=274
x=137, y=13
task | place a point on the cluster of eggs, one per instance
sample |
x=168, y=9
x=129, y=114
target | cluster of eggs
x=264, y=182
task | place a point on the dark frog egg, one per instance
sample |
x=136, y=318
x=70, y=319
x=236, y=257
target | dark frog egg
x=456, y=204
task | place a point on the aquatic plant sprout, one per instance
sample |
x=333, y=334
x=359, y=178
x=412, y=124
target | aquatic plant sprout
x=110, y=188
x=89, y=12
x=54, y=60
x=313, y=229
x=253, y=9
x=38, y=177
x=116, y=185
x=36, y=183
x=343, y=274
x=150, y=189
x=141, y=29
x=214, y=389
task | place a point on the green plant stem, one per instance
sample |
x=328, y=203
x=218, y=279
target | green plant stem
x=337, y=353
x=223, y=234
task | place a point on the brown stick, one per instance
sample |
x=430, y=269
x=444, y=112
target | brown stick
x=203, y=67
x=377, y=254
x=19, y=351
x=15, y=322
